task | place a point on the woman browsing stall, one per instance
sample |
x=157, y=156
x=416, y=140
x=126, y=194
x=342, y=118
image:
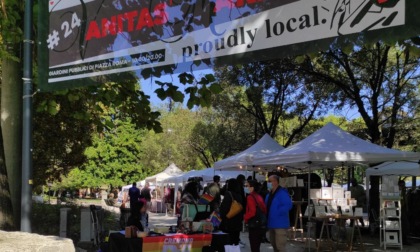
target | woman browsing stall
x=255, y=205
x=232, y=224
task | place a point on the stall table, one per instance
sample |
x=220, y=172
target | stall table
x=118, y=242
x=298, y=220
x=340, y=221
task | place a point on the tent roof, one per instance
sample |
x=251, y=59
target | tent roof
x=265, y=146
x=331, y=146
x=170, y=171
x=395, y=168
x=207, y=175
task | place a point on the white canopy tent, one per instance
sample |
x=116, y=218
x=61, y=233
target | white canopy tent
x=331, y=146
x=207, y=175
x=170, y=171
x=265, y=146
x=394, y=168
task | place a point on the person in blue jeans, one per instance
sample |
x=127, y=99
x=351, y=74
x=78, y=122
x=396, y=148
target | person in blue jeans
x=278, y=204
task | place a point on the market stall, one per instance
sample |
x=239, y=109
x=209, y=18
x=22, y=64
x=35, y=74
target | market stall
x=243, y=160
x=331, y=147
x=157, y=180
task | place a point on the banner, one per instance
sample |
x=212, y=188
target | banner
x=176, y=243
x=82, y=41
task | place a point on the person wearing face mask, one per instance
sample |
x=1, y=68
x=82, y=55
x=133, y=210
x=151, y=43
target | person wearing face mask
x=254, y=200
x=278, y=204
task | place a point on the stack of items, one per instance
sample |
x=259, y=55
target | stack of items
x=332, y=201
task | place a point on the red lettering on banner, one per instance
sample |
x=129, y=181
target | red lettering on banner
x=128, y=21
x=160, y=14
x=144, y=19
x=108, y=26
x=93, y=31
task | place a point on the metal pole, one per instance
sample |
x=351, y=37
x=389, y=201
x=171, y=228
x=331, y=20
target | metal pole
x=26, y=201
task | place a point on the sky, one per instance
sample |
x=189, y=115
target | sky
x=148, y=86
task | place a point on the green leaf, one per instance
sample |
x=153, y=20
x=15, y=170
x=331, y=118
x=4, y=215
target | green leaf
x=161, y=93
x=73, y=97
x=210, y=77
x=216, y=88
x=52, y=107
x=178, y=96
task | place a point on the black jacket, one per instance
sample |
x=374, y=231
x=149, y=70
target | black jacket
x=235, y=223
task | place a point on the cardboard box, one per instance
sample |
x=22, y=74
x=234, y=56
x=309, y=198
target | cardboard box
x=347, y=210
x=309, y=211
x=391, y=213
x=337, y=193
x=327, y=193
x=347, y=194
x=291, y=181
x=300, y=183
x=320, y=211
x=352, y=202
x=358, y=211
x=392, y=224
x=391, y=237
x=341, y=202
x=332, y=209
x=315, y=193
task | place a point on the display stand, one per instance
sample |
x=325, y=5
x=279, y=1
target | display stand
x=390, y=222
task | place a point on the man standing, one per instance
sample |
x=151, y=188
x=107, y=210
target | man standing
x=359, y=194
x=134, y=194
x=145, y=193
x=278, y=204
x=405, y=223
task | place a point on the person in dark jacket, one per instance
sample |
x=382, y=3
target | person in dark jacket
x=232, y=226
x=254, y=201
x=134, y=194
x=137, y=220
x=278, y=204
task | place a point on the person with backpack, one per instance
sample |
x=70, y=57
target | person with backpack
x=255, y=215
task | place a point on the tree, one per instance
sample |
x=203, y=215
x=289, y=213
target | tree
x=114, y=157
x=6, y=213
x=273, y=91
x=172, y=145
x=379, y=80
x=11, y=22
x=222, y=131
x=77, y=116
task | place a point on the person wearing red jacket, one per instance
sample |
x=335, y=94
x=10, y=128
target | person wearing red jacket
x=254, y=200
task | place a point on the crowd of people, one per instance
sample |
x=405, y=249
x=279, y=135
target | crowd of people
x=269, y=199
x=267, y=202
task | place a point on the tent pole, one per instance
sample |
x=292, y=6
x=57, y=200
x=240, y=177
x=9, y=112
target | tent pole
x=309, y=202
x=175, y=197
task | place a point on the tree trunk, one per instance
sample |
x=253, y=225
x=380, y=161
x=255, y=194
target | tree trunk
x=11, y=125
x=6, y=210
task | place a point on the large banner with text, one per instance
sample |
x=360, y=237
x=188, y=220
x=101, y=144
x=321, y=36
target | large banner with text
x=83, y=41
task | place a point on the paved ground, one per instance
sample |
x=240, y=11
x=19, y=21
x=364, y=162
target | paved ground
x=370, y=243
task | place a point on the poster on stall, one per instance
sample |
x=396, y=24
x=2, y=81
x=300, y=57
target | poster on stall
x=176, y=243
x=83, y=41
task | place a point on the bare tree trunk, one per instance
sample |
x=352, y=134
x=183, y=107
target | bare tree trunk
x=6, y=210
x=11, y=125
